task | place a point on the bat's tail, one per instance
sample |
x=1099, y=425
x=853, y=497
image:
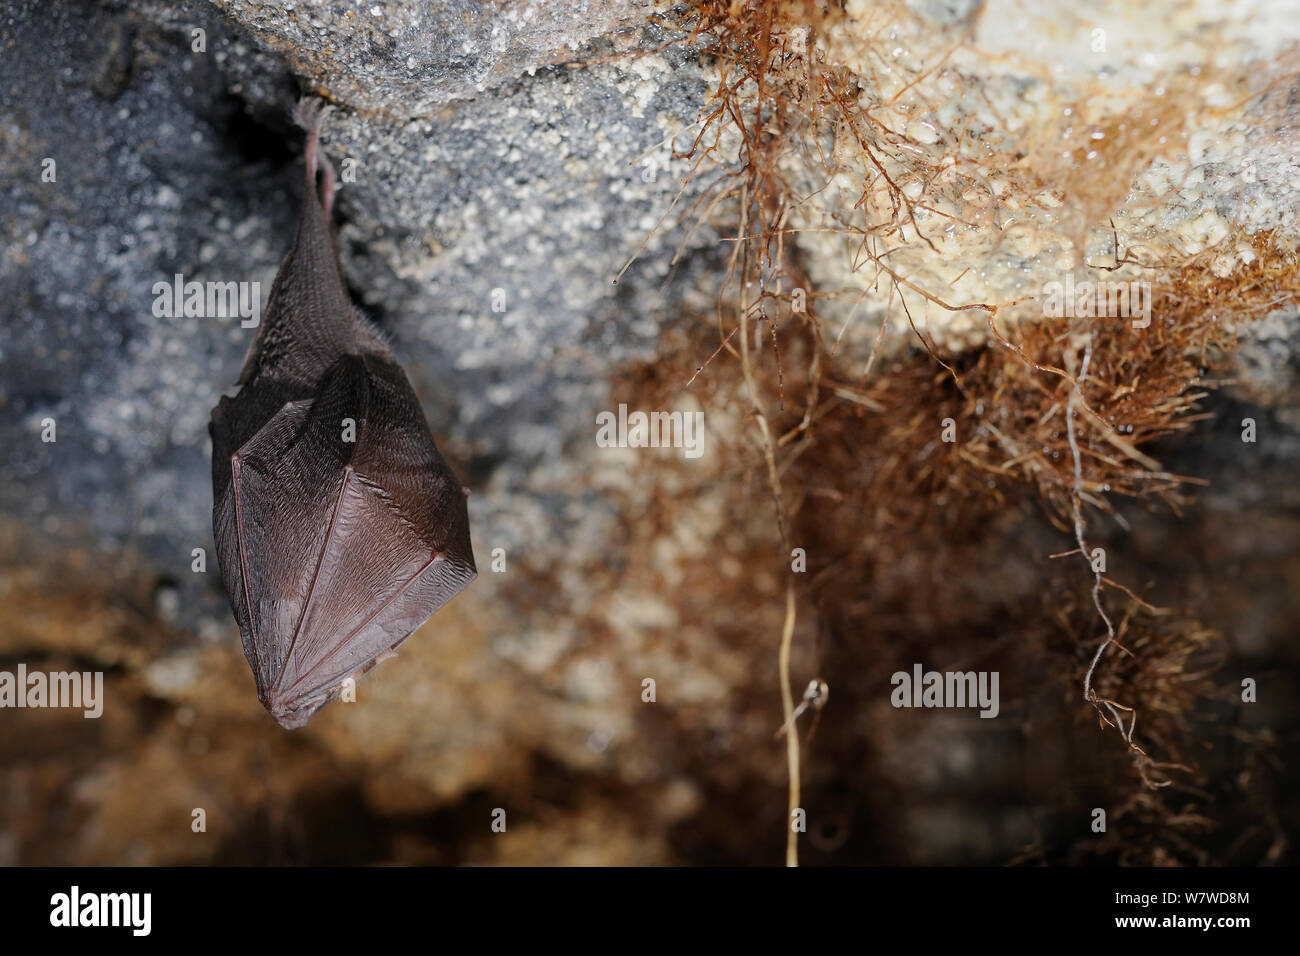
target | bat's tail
x=311, y=110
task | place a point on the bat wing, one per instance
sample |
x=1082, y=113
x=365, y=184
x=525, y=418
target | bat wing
x=335, y=551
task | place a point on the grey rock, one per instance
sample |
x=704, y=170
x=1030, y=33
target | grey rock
x=172, y=161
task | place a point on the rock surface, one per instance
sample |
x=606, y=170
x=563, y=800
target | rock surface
x=502, y=161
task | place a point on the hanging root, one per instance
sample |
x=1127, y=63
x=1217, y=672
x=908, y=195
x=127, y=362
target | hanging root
x=1047, y=409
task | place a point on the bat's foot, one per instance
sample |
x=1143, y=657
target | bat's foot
x=311, y=110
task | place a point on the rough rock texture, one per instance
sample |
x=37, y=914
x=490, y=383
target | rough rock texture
x=502, y=161
x=1018, y=155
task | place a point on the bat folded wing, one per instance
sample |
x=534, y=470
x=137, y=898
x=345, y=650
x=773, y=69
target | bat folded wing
x=340, y=532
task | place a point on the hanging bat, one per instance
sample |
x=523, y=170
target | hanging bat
x=340, y=530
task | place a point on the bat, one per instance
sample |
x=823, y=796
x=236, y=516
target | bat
x=340, y=530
